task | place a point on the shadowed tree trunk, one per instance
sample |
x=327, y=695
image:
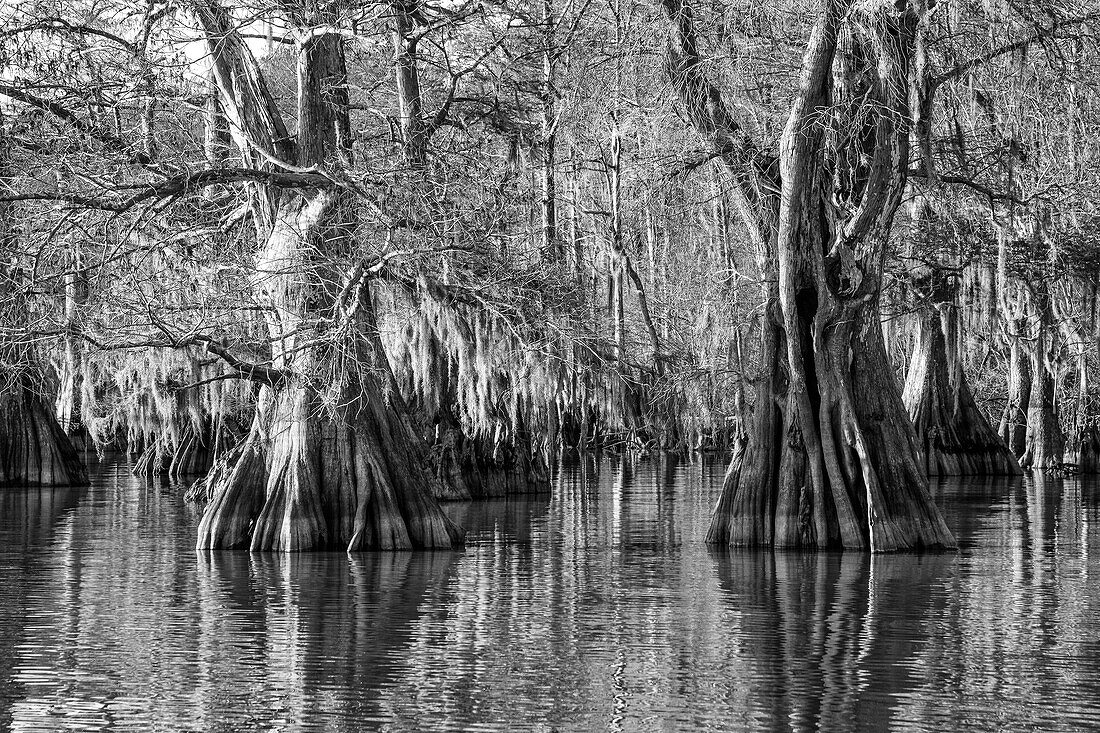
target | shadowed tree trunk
x=334, y=448
x=1086, y=438
x=832, y=459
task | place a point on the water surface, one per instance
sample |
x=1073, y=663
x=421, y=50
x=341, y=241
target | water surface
x=594, y=608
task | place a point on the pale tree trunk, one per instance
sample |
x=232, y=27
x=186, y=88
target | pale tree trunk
x=1044, y=446
x=69, y=406
x=333, y=459
x=553, y=250
x=1013, y=426
x=955, y=436
x=1073, y=314
x=832, y=459
x=1028, y=324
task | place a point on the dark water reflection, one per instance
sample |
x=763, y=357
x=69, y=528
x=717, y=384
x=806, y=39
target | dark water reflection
x=596, y=608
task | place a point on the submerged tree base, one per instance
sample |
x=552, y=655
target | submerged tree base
x=34, y=449
x=955, y=437
x=307, y=480
x=191, y=455
x=850, y=479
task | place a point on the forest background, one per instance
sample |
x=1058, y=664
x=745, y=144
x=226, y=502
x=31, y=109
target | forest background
x=341, y=260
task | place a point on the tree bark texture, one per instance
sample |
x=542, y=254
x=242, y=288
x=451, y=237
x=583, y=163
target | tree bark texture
x=832, y=459
x=954, y=436
x=333, y=459
x=1013, y=425
x=34, y=450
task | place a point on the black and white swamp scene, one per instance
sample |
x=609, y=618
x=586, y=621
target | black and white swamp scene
x=549, y=365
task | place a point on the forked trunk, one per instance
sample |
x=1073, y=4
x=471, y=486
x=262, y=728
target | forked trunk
x=833, y=460
x=857, y=482
x=332, y=460
x=954, y=436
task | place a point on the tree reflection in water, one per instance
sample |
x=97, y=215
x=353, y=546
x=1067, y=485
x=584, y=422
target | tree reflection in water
x=595, y=608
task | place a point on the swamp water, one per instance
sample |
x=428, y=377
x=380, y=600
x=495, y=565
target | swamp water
x=594, y=608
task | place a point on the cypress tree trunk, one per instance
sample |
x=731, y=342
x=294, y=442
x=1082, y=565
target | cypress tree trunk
x=1086, y=438
x=333, y=447
x=833, y=460
x=69, y=405
x=1013, y=427
x=1044, y=445
x=954, y=435
x=34, y=450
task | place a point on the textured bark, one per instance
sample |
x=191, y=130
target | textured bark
x=34, y=450
x=954, y=436
x=832, y=460
x=69, y=405
x=343, y=469
x=333, y=460
x=234, y=489
x=1044, y=447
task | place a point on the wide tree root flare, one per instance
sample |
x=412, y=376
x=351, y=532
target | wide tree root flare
x=857, y=485
x=34, y=450
x=954, y=437
x=312, y=481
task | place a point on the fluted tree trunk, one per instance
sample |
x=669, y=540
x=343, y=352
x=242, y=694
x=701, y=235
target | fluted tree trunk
x=34, y=450
x=333, y=459
x=954, y=435
x=1074, y=315
x=832, y=459
x=1045, y=443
